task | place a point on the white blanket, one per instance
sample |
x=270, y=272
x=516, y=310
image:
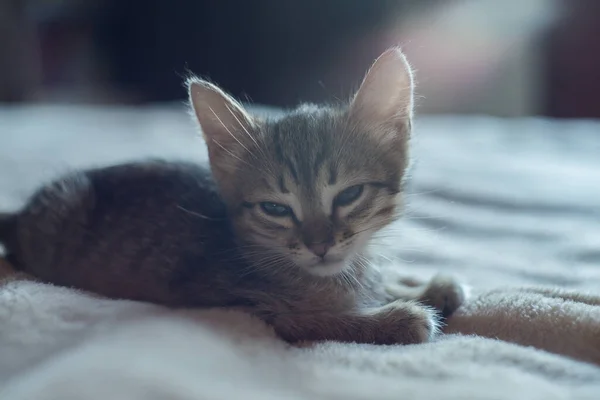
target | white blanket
x=504, y=204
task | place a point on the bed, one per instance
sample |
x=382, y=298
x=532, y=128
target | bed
x=510, y=206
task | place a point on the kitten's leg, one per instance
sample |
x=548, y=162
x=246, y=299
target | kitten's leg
x=399, y=322
x=443, y=292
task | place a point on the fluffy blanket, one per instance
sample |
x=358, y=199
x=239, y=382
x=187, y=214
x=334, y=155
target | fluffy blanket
x=511, y=206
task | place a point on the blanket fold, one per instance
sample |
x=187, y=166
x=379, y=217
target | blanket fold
x=51, y=337
x=559, y=321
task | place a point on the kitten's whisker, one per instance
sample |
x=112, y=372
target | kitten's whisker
x=268, y=259
x=415, y=194
x=259, y=258
x=239, y=142
x=399, y=248
x=241, y=125
x=345, y=279
x=410, y=212
x=263, y=257
x=246, y=250
x=264, y=265
x=280, y=263
x=417, y=218
x=195, y=214
x=352, y=277
x=231, y=133
x=232, y=155
x=405, y=260
x=258, y=146
x=382, y=256
x=372, y=227
x=364, y=264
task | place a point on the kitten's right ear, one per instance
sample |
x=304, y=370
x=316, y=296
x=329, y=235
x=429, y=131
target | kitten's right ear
x=224, y=123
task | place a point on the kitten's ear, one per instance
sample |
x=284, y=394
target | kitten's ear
x=224, y=123
x=385, y=97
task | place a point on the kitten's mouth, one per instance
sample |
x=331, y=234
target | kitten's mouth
x=327, y=268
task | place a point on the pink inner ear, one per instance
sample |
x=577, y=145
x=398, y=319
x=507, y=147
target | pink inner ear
x=387, y=91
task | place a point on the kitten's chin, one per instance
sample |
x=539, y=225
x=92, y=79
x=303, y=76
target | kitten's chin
x=325, y=269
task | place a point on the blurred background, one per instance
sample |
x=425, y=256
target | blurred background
x=503, y=58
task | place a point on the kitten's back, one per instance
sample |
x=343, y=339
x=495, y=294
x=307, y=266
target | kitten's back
x=140, y=230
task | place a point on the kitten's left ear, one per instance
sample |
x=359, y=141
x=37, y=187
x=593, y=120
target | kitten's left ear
x=385, y=97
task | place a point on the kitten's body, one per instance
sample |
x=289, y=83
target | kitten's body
x=157, y=231
x=134, y=231
x=280, y=231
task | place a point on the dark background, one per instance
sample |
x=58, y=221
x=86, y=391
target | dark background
x=506, y=58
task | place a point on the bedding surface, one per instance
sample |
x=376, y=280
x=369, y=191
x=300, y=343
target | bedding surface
x=510, y=206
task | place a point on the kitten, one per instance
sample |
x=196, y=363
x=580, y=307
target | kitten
x=279, y=228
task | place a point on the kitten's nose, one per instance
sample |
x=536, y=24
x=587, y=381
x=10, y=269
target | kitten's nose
x=319, y=249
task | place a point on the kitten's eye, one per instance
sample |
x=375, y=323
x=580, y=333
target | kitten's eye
x=275, y=209
x=349, y=195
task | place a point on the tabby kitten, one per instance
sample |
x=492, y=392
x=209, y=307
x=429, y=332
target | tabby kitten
x=279, y=228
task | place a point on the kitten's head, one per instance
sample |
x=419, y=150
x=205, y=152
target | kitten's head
x=308, y=190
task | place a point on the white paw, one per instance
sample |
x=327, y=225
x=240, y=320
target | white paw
x=407, y=323
x=445, y=294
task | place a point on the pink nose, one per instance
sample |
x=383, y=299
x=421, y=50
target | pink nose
x=320, y=249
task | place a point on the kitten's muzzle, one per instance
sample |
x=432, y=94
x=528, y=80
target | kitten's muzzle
x=317, y=235
x=319, y=249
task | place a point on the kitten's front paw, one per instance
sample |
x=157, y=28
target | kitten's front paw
x=445, y=294
x=407, y=323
